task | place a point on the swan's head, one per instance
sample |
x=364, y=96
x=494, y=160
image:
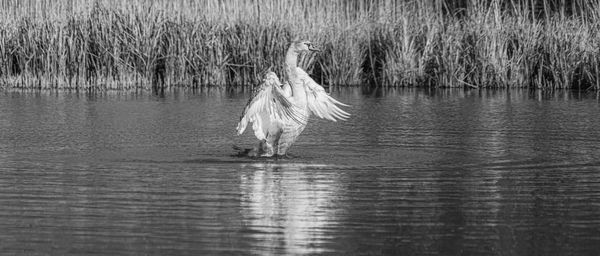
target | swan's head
x=304, y=46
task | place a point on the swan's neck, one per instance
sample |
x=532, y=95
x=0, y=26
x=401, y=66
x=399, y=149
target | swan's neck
x=291, y=63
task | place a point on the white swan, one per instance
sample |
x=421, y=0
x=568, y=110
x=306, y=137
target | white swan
x=279, y=113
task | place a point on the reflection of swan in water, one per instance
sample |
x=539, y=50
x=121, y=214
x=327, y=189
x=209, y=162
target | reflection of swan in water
x=279, y=112
x=287, y=208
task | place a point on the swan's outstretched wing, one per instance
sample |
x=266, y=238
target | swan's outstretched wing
x=267, y=104
x=319, y=101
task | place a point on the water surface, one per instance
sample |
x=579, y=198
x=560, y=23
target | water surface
x=427, y=172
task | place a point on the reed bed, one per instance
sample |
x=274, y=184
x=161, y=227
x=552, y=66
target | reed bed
x=109, y=44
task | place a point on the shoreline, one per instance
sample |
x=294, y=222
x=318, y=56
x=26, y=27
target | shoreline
x=383, y=44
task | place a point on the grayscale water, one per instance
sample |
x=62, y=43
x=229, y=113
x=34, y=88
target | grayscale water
x=426, y=172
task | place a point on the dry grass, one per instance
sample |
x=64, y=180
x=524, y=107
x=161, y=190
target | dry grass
x=105, y=44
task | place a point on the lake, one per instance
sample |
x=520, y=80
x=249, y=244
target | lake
x=427, y=172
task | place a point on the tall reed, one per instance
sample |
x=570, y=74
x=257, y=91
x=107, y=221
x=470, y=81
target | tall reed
x=109, y=44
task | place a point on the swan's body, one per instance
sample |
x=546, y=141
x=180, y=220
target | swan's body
x=279, y=112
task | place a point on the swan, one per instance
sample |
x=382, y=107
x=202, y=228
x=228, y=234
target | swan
x=279, y=111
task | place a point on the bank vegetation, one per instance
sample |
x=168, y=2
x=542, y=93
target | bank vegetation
x=105, y=44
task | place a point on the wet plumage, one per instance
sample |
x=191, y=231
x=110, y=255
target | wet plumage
x=279, y=111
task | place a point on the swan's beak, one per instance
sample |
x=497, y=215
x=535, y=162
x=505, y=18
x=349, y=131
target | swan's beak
x=312, y=48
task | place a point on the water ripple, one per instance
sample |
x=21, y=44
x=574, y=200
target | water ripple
x=410, y=173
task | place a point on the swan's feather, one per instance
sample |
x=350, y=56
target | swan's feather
x=319, y=102
x=268, y=104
